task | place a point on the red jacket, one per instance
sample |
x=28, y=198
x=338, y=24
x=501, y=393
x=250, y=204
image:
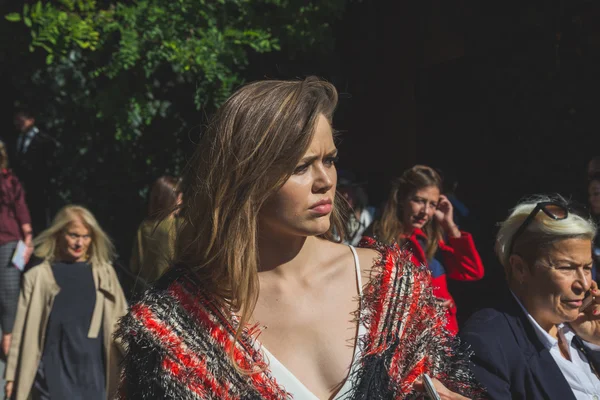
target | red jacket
x=13, y=210
x=461, y=262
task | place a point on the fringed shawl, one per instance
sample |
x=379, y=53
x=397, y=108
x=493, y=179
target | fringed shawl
x=178, y=341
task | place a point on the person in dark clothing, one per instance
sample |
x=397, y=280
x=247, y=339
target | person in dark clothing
x=33, y=159
x=62, y=345
x=15, y=225
x=540, y=341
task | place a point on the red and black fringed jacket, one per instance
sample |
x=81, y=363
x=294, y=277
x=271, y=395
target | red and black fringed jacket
x=178, y=342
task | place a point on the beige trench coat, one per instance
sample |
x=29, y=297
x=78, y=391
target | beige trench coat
x=38, y=290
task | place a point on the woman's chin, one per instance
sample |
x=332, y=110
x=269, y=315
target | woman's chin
x=318, y=230
x=417, y=225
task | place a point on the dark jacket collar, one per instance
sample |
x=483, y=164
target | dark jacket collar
x=541, y=364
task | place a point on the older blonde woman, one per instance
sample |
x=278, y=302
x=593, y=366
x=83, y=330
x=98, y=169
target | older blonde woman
x=62, y=345
x=539, y=342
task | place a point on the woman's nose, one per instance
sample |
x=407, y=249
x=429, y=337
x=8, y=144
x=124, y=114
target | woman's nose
x=583, y=282
x=323, y=181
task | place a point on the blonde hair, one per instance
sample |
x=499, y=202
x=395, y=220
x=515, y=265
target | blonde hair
x=390, y=227
x=101, y=250
x=250, y=149
x=541, y=233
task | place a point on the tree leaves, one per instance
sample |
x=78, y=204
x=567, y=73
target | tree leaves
x=125, y=86
x=13, y=17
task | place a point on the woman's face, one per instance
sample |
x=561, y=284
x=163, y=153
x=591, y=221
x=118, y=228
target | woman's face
x=556, y=284
x=303, y=205
x=418, y=209
x=74, y=242
x=594, y=193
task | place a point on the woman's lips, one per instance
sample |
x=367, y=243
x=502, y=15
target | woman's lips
x=322, y=208
x=574, y=303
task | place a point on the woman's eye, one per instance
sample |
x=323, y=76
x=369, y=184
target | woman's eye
x=300, y=169
x=331, y=160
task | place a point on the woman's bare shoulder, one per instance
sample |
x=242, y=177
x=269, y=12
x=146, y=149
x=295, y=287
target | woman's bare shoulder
x=367, y=258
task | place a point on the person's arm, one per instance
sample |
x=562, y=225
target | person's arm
x=461, y=258
x=120, y=309
x=21, y=210
x=28, y=240
x=17, y=333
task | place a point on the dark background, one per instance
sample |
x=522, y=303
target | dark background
x=502, y=94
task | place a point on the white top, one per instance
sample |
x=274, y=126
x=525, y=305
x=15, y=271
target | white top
x=292, y=385
x=584, y=384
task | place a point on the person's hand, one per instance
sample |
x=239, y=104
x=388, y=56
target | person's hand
x=587, y=324
x=6, y=343
x=8, y=388
x=445, y=216
x=443, y=391
x=28, y=253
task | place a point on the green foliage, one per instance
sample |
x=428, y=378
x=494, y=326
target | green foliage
x=125, y=85
x=204, y=43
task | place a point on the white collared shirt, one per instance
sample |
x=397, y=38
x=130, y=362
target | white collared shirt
x=24, y=140
x=578, y=373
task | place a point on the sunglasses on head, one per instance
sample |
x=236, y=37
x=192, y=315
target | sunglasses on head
x=552, y=209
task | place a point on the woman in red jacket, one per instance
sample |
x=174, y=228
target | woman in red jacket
x=419, y=217
x=15, y=225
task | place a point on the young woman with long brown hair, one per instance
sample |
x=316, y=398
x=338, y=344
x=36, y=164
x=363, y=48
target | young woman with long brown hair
x=255, y=255
x=417, y=215
x=154, y=244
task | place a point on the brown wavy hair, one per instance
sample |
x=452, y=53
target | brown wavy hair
x=163, y=197
x=390, y=228
x=249, y=150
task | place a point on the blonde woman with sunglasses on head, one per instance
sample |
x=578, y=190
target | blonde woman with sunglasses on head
x=542, y=339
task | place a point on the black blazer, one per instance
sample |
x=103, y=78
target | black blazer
x=33, y=167
x=509, y=360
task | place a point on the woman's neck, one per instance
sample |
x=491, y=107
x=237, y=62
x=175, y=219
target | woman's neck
x=286, y=256
x=407, y=232
x=549, y=327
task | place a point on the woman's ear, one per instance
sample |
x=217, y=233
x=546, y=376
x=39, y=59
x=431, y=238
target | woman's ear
x=519, y=268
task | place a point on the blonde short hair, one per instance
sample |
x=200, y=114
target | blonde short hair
x=101, y=249
x=541, y=233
